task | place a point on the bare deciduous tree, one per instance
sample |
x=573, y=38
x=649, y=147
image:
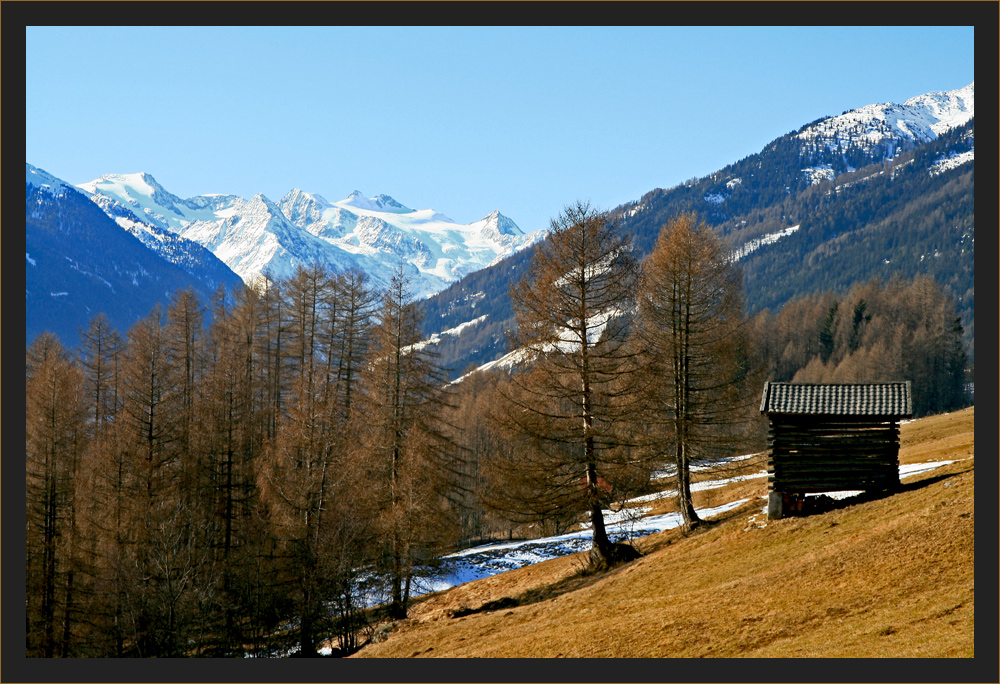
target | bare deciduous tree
x=694, y=335
x=573, y=312
x=100, y=358
x=413, y=466
x=54, y=427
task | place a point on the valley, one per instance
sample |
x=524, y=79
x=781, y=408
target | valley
x=261, y=429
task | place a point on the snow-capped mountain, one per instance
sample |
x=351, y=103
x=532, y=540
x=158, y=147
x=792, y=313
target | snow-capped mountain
x=922, y=118
x=46, y=182
x=253, y=237
x=155, y=233
x=885, y=130
x=258, y=236
x=79, y=262
x=429, y=240
x=879, y=191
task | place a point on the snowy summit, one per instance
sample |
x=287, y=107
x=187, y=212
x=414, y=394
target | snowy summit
x=258, y=236
x=920, y=119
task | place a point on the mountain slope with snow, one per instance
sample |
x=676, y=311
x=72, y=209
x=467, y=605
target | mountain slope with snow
x=154, y=231
x=79, y=262
x=922, y=118
x=881, y=191
x=888, y=129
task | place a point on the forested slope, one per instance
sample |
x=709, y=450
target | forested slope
x=913, y=215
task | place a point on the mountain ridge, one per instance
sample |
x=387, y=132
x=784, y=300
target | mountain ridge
x=80, y=262
x=259, y=236
x=780, y=206
x=845, y=212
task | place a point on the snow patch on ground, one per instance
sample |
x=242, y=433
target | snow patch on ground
x=905, y=470
x=491, y=559
x=629, y=523
x=916, y=468
x=697, y=487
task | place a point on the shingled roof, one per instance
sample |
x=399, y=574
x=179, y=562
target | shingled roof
x=888, y=399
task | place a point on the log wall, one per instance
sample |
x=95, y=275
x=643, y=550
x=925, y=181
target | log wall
x=808, y=454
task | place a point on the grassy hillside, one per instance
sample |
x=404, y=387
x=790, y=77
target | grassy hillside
x=876, y=578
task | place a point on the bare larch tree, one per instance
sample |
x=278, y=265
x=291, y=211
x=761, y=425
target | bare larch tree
x=573, y=311
x=694, y=336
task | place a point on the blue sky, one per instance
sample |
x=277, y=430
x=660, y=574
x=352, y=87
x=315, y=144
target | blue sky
x=464, y=120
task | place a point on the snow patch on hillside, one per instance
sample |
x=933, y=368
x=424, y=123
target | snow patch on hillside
x=886, y=129
x=952, y=162
x=40, y=178
x=818, y=174
x=437, y=337
x=629, y=523
x=920, y=119
x=491, y=559
x=757, y=243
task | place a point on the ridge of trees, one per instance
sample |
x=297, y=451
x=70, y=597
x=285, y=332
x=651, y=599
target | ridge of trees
x=878, y=331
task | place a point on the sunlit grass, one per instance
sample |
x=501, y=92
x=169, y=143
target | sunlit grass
x=890, y=577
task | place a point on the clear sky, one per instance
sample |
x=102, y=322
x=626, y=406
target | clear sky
x=464, y=120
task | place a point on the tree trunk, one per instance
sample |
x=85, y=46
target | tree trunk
x=308, y=647
x=602, y=546
x=684, y=502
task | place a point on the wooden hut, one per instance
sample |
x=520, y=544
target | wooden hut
x=831, y=437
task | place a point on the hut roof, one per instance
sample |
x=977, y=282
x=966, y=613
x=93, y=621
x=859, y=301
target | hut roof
x=885, y=399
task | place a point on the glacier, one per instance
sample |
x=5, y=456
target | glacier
x=257, y=236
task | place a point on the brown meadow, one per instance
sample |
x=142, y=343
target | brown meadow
x=871, y=578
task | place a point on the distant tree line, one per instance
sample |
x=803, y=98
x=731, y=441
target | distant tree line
x=876, y=332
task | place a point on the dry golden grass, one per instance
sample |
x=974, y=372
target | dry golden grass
x=890, y=577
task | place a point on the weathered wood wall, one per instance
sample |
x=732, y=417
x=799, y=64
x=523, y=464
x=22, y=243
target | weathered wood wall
x=808, y=454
